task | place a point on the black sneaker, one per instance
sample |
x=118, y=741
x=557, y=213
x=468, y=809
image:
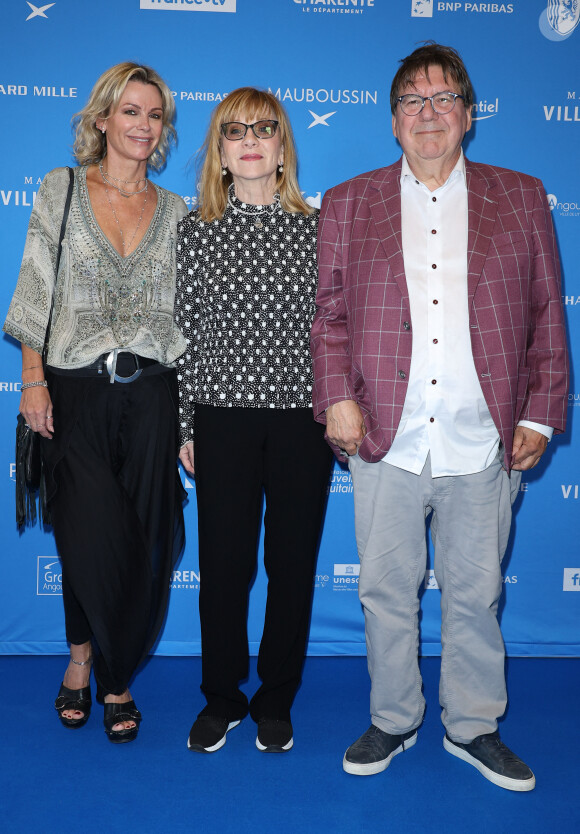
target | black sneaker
x=494, y=760
x=374, y=750
x=208, y=733
x=274, y=736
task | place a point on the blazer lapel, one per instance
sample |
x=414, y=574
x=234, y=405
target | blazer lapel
x=481, y=211
x=385, y=207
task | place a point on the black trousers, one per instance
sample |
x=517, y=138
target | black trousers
x=241, y=456
x=116, y=502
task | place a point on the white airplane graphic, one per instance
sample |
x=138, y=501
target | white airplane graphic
x=38, y=11
x=320, y=120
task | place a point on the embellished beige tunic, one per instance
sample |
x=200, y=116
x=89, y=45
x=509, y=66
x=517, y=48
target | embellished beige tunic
x=103, y=301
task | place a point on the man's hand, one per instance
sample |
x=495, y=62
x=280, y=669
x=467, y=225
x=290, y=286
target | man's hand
x=186, y=457
x=345, y=426
x=528, y=447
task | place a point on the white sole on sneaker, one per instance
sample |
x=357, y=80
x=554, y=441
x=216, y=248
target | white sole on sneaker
x=274, y=748
x=496, y=778
x=377, y=767
x=215, y=747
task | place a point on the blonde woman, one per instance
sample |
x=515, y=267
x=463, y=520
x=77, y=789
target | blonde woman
x=107, y=406
x=245, y=299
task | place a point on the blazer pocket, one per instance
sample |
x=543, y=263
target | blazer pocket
x=511, y=242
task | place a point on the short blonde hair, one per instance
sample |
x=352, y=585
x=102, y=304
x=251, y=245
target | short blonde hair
x=90, y=144
x=253, y=104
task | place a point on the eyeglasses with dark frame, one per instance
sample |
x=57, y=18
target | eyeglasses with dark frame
x=264, y=129
x=442, y=103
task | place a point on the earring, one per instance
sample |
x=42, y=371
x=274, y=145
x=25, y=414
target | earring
x=103, y=129
x=281, y=168
x=224, y=171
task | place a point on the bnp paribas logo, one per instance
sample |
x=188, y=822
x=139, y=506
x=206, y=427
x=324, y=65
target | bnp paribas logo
x=421, y=8
x=559, y=19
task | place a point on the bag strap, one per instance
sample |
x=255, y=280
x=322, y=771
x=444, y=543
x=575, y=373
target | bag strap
x=69, y=192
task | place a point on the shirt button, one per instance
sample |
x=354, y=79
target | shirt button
x=406, y=325
x=433, y=266
x=434, y=199
x=435, y=341
x=433, y=231
x=431, y=419
x=402, y=374
x=433, y=382
x=435, y=301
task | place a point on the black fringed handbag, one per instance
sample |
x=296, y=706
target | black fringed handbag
x=29, y=468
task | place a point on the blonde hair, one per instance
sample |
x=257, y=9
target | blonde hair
x=90, y=144
x=253, y=104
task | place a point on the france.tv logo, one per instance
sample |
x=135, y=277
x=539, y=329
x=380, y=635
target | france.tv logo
x=571, y=579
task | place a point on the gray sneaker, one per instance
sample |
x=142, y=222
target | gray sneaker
x=373, y=751
x=494, y=760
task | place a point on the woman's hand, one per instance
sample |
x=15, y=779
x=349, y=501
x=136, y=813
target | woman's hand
x=186, y=457
x=36, y=408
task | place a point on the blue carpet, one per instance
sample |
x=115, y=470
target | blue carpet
x=57, y=780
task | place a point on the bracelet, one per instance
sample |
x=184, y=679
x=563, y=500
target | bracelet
x=41, y=382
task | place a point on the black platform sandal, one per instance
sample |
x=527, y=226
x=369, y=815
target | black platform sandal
x=115, y=714
x=74, y=699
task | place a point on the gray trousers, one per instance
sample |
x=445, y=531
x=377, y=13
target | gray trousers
x=471, y=518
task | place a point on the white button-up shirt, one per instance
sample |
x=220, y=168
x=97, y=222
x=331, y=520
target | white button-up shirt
x=445, y=412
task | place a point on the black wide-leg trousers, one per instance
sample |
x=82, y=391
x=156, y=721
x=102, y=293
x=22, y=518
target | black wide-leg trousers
x=243, y=455
x=116, y=503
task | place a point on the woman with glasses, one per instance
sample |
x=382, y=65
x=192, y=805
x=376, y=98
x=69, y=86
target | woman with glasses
x=245, y=300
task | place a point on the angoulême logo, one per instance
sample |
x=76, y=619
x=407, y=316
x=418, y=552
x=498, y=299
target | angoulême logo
x=188, y=5
x=559, y=19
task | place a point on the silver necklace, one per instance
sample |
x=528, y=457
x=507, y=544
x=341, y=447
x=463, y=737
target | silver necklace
x=108, y=177
x=126, y=248
x=271, y=209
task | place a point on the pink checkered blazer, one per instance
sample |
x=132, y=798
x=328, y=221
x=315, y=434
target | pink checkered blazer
x=362, y=331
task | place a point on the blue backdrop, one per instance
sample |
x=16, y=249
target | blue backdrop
x=331, y=63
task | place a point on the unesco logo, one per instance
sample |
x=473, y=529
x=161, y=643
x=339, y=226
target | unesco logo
x=48, y=577
x=346, y=577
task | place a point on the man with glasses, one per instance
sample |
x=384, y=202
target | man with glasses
x=440, y=370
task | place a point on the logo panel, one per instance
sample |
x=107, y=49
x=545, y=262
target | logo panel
x=346, y=577
x=571, y=579
x=48, y=577
x=559, y=19
x=421, y=8
x=188, y=5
